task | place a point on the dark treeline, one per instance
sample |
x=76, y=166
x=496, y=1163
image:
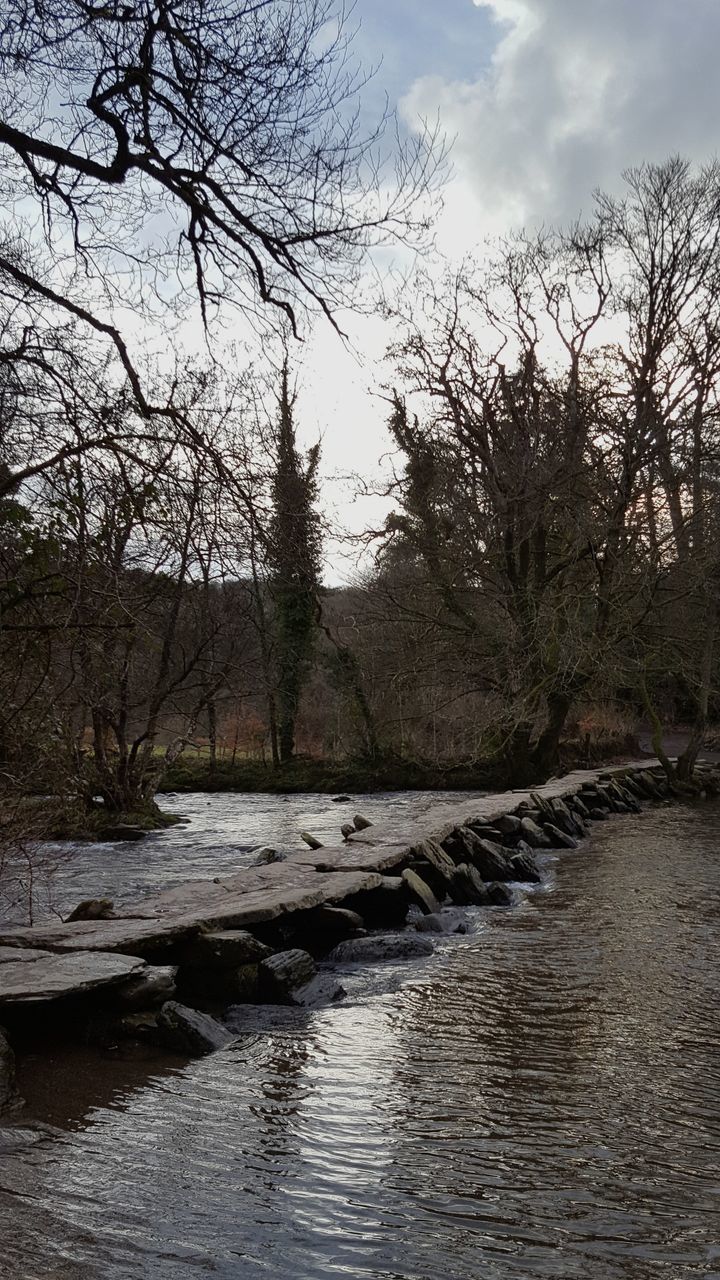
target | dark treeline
x=549, y=568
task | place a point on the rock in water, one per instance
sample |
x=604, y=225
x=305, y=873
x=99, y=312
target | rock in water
x=326, y=926
x=420, y=892
x=530, y=831
x=361, y=824
x=140, y=1025
x=576, y=803
x=487, y=832
x=347, y=829
x=468, y=888
x=383, y=908
x=390, y=946
x=10, y=1099
x=605, y=796
x=529, y=810
x=525, y=868
x=490, y=860
x=430, y=924
x=123, y=831
x=224, y=949
x=311, y=841
x=241, y=984
x=437, y=883
x=325, y=989
x=286, y=971
x=291, y=977
x=509, y=825
x=152, y=987
x=562, y=817
x=522, y=847
x=92, y=909
x=629, y=800
x=595, y=798
x=29, y=975
x=560, y=839
x=267, y=855
x=500, y=895
x=434, y=853
x=189, y=1031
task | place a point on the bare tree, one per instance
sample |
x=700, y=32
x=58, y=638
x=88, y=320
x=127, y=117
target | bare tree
x=213, y=150
x=153, y=639
x=664, y=237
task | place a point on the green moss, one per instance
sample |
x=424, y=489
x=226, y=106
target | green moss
x=74, y=823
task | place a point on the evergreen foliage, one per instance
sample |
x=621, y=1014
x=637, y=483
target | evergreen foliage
x=294, y=551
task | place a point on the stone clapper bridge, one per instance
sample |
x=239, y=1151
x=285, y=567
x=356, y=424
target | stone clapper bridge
x=255, y=936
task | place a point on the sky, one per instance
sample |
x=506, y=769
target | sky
x=544, y=100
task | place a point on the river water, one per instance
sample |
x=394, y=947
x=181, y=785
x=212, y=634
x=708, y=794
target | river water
x=540, y=1098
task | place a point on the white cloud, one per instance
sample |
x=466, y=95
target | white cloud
x=576, y=90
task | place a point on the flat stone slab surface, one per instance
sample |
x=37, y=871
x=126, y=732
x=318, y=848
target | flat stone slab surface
x=29, y=976
x=127, y=936
x=255, y=895
x=250, y=897
x=359, y=854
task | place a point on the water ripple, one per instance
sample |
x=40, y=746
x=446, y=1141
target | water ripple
x=539, y=1102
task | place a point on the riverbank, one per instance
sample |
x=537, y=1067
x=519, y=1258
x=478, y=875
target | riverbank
x=324, y=777
x=386, y=774
x=157, y=968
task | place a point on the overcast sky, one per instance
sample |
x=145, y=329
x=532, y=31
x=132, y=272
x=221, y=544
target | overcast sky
x=545, y=100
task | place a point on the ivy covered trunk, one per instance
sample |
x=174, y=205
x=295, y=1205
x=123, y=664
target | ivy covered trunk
x=294, y=546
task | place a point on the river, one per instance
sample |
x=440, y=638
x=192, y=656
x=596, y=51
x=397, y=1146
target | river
x=540, y=1098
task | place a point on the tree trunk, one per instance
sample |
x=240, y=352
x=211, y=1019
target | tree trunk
x=656, y=731
x=212, y=735
x=546, y=754
x=686, y=762
x=286, y=725
x=517, y=756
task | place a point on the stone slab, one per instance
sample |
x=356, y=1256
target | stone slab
x=354, y=856
x=249, y=897
x=30, y=976
x=256, y=896
x=126, y=936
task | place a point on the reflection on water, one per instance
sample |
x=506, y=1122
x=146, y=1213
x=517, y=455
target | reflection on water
x=540, y=1099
